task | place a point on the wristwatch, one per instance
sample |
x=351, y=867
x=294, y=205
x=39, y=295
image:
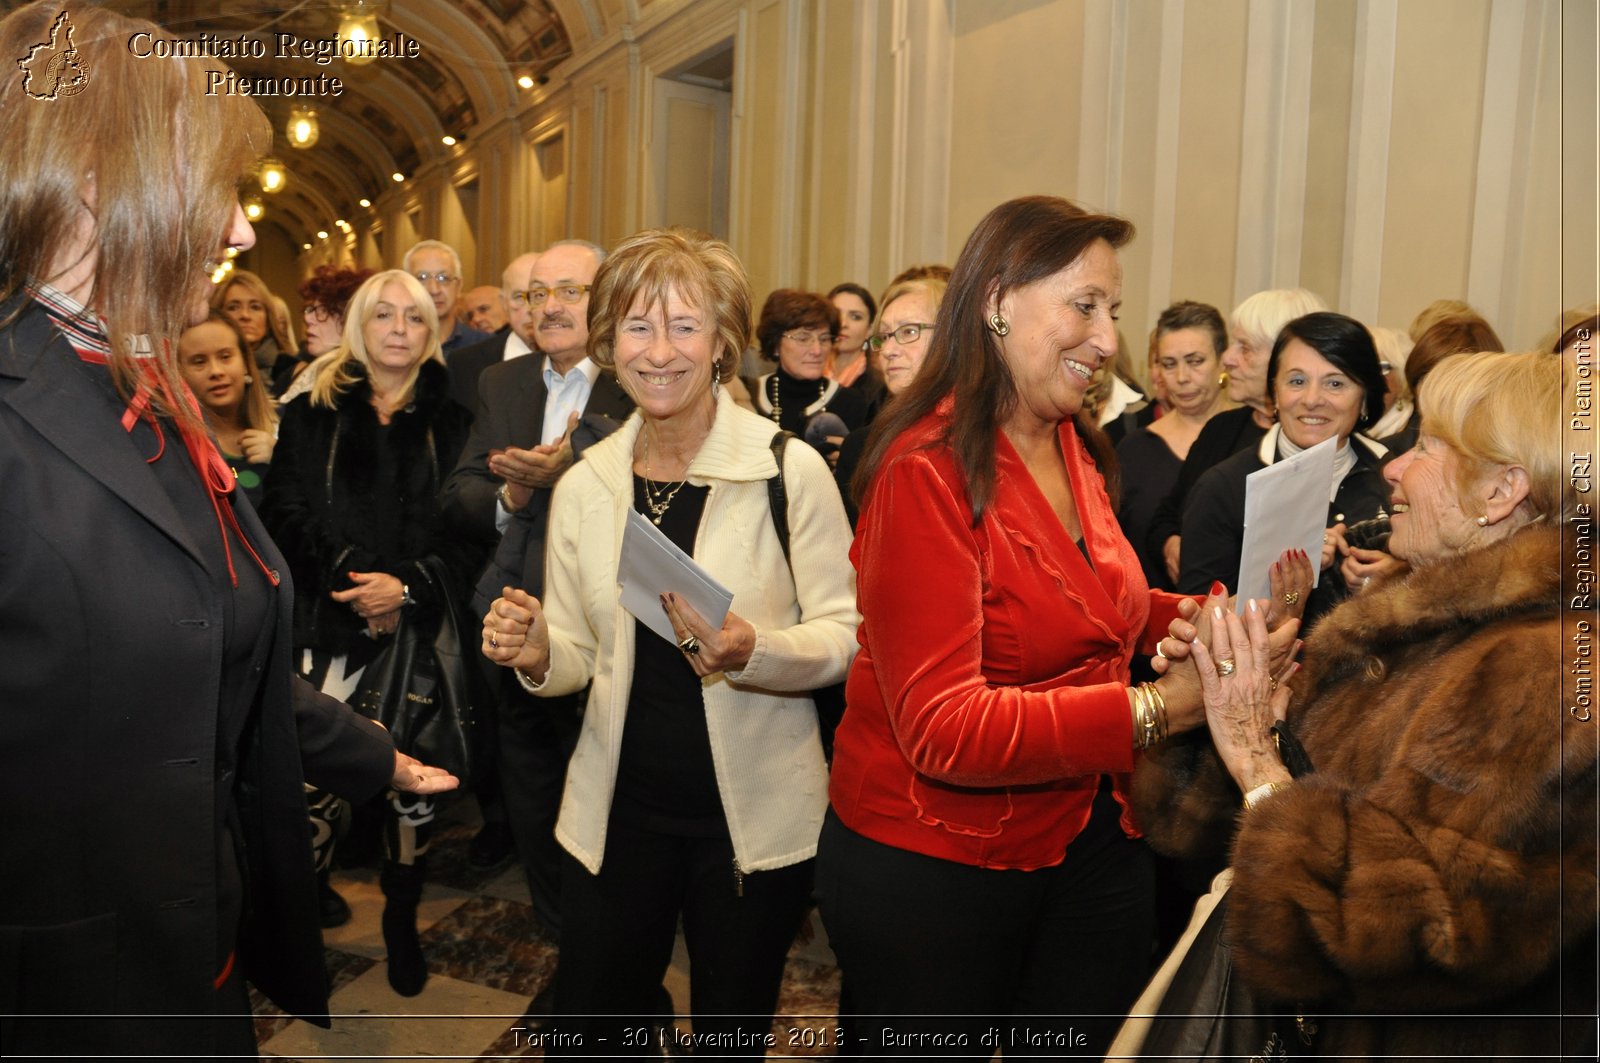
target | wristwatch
x=405, y=595
x=504, y=494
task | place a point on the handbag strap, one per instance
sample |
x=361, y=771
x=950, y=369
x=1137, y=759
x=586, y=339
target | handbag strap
x=778, y=497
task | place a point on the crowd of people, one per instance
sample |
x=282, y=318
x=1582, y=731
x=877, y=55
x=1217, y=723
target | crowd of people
x=984, y=693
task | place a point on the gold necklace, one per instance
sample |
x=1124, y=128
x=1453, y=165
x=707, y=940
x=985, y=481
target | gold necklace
x=658, y=501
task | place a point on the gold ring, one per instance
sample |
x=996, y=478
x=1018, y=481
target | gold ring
x=1290, y=597
x=494, y=643
x=689, y=645
x=1226, y=666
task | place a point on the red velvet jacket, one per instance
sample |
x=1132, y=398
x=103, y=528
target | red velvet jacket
x=990, y=692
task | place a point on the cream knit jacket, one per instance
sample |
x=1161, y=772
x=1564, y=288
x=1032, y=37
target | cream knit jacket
x=763, y=724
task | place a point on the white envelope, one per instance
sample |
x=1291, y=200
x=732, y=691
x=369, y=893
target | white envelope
x=652, y=565
x=1285, y=505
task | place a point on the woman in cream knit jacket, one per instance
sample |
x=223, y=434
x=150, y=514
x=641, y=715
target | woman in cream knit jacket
x=698, y=784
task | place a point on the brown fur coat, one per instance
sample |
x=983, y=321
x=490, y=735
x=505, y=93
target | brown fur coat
x=1443, y=854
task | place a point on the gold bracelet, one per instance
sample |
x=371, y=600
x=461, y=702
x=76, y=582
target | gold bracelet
x=1159, y=704
x=1261, y=793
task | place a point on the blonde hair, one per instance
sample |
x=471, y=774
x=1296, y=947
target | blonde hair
x=155, y=158
x=1503, y=409
x=1262, y=316
x=277, y=328
x=703, y=271
x=335, y=371
x=1435, y=312
x=934, y=285
x=1393, y=347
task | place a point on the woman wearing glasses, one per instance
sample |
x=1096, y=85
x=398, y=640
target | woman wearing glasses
x=796, y=331
x=900, y=339
x=325, y=294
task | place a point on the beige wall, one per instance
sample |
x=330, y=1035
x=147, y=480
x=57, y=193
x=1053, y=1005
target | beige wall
x=1384, y=153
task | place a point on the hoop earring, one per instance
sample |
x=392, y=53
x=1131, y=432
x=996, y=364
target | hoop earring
x=999, y=325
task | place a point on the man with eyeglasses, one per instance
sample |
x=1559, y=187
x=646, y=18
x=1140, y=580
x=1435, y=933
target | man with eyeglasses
x=537, y=414
x=513, y=341
x=438, y=267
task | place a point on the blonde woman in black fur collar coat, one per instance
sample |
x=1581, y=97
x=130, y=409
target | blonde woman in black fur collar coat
x=1434, y=863
x=352, y=499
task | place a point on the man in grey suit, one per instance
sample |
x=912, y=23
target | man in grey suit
x=538, y=413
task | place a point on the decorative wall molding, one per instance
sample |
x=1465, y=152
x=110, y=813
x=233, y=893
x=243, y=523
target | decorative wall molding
x=1371, y=115
x=1501, y=190
x=1169, y=110
x=1276, y=127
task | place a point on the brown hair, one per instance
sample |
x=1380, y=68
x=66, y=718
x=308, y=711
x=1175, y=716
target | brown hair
x=154, y=158
x=331, y=288
x=1017, y=243
x=260, y=411
x=1449, y=335
x=703, y=271
x=257, y=287
x=791, y=308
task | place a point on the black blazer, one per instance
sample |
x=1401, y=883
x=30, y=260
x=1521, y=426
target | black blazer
x=512, y=396
x=111, y=636
x=466, y=364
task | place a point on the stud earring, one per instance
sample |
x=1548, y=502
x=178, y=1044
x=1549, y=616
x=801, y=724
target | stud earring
x=998, y=324
x=1483, y=521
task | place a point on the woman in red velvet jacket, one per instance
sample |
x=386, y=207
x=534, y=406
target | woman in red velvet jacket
x=979, y=860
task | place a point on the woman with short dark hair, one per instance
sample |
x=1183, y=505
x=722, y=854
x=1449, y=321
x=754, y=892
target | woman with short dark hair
x=796, y=330
x=1324, y=382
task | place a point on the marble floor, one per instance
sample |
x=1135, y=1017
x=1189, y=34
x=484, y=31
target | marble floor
x=487, y=957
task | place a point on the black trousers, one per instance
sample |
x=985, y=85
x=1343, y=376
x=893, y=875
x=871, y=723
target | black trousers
x=617, y=933
x=535, y=739
x=941, y=958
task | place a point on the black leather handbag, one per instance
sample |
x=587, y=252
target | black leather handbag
x=424, y=690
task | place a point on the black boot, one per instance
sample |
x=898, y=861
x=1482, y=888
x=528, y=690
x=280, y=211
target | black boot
x=334, y=909
x=402, y=889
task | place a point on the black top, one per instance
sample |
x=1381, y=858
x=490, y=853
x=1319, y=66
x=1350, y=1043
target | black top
x=1213, y=524
x=1149, y=471
x=346, y=493
x=794, y=396
x=666, y=781
x=1223, y=436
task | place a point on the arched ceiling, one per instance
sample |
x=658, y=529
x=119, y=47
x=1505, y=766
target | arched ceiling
x=393, y=113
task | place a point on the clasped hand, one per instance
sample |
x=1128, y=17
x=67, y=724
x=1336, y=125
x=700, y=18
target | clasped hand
x=376, y=598
x=540, y=466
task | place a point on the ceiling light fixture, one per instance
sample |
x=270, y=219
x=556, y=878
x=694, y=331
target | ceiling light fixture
x=272, y=175
x=302, y=129
x=358, y=29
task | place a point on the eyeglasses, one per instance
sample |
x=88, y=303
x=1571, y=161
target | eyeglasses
x=806, y=339
x=905, y=335
x=316, y=313
x=1385, y=367
x=440, y=277
x=565, y=293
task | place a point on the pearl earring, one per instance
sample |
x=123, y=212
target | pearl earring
x=1483, y=521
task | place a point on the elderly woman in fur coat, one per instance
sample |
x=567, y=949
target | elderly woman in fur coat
x=1431, y=858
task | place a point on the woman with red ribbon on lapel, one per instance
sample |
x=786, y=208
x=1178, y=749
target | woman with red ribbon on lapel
x=153, y=734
